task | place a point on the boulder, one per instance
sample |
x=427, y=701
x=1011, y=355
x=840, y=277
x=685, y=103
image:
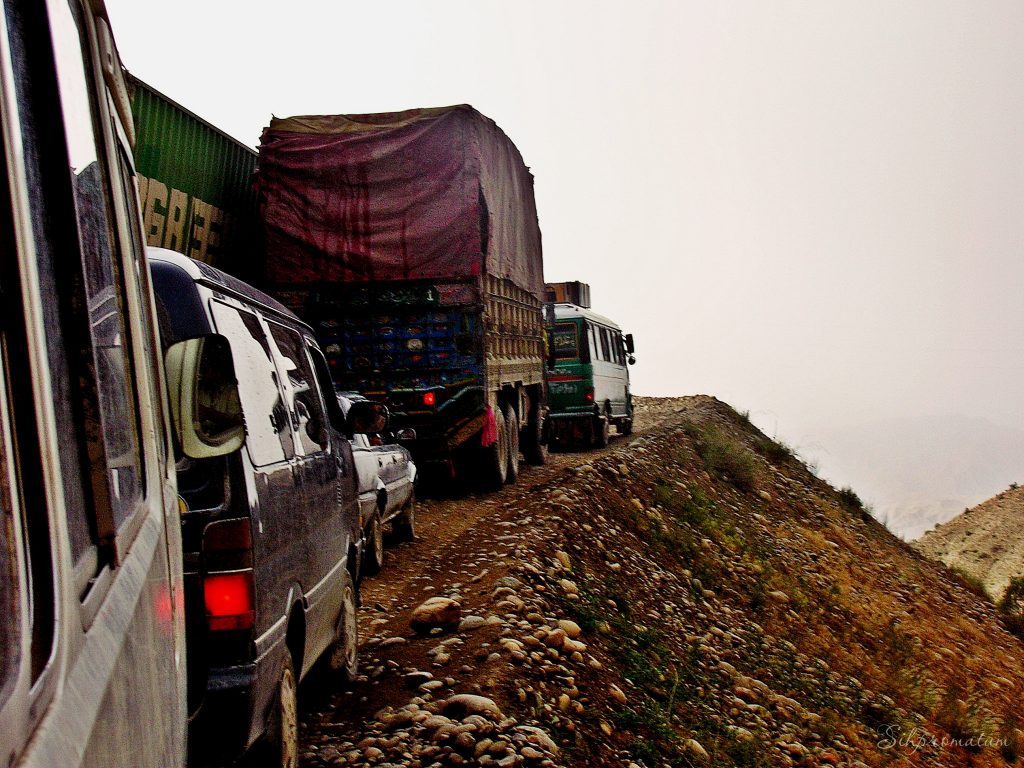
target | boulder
x=437, y=612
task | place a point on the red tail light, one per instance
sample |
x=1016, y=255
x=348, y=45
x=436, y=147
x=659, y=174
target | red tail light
x=429, y=398
x=229, y=601
x=589, y=395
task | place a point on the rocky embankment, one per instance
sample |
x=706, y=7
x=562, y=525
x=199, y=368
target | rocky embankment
x=984, y=542
x=692, y=596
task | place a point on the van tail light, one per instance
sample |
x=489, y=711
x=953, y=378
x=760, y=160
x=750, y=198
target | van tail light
x=589, y=395
x=228, y=587
x=230, y=599
x=429, y=398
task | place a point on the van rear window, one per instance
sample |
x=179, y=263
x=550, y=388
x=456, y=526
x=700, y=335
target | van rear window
x=565, y=341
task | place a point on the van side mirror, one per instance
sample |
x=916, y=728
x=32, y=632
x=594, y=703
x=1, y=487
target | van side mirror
x=366, y=417
x=629, y=344
x=206, y=411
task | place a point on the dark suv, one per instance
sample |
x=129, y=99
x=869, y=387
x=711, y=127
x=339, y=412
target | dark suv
x=270, y=530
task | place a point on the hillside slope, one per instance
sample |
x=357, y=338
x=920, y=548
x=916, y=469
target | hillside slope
x=984, y=541
x=693, y=596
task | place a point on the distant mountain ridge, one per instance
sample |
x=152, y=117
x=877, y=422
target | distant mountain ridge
x=984, y=541
x=918, y=472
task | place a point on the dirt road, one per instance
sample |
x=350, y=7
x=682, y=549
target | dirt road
x=464, y=547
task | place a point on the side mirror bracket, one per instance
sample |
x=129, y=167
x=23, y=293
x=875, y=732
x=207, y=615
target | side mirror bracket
x=366, y=417
x=206, y=411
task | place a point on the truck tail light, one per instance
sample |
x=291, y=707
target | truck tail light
x=589, y=395
x=429, y=398
x=229, y=599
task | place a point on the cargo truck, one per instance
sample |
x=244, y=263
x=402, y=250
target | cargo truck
x=410, y=242
x=196, y=185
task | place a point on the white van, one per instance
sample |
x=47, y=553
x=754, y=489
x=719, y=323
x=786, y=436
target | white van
x=92, y=658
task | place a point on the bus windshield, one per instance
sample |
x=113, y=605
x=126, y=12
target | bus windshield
x=565, y=341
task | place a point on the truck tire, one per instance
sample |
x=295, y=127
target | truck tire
x=344, y=652
x=494, y=470
x=626, y=427
x=535, y=450
x=404, y=526
x=512, y=430
x=601, y=431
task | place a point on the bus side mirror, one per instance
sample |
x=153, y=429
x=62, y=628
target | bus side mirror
x=629, y=344
x=631, y=360
x=206, y=412
x=367, y=417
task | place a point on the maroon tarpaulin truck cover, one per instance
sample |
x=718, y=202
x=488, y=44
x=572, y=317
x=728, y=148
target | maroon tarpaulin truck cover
x=422, y=194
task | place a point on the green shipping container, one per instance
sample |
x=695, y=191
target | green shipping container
x=196, y=184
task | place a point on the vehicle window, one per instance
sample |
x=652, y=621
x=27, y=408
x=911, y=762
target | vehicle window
x=327, y=393
x=112, y=427
x=605, y=351
x=565, y=341
x=619, y=357
x=21, y=488
x=21, y=480
x=267, y=420
x=594, y=349
x=10, y=641
x=300, y=386
x=142, y=285
x=10, y=605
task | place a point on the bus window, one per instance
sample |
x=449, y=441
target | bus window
x=605, y=351
x=595, y=353
x=103, y=347
x=10, y=578
x=565, y=341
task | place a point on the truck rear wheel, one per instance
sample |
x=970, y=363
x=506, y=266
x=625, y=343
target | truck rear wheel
x=601, y=431
x=495, y=457
x=535, y=450
x=512, y=431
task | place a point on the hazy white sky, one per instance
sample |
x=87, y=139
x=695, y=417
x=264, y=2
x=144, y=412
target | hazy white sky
x=810, y=209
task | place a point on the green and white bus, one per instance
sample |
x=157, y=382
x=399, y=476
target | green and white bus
x=588, y=378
